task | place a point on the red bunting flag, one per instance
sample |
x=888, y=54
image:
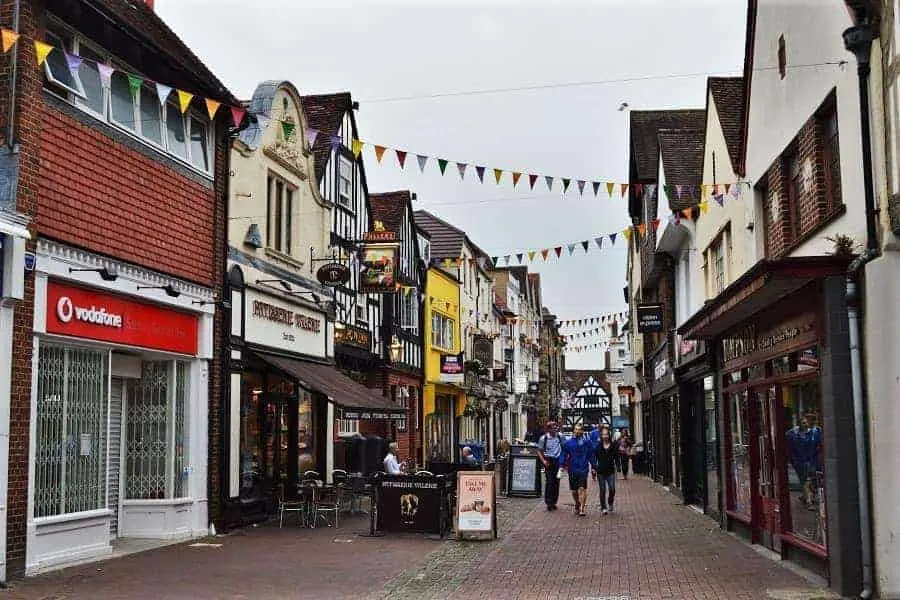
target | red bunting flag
x=237, y=115
x=401, y=158
x=531, y=180
x=558, y=251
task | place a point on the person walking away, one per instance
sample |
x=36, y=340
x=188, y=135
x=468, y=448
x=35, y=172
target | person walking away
x=468, y=457
x=391, y=465
x=625, y=445
x=549, y=451
x=604, y=469
x=577, y=455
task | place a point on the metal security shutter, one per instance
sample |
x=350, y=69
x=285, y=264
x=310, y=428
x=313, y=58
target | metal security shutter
x=115, y=454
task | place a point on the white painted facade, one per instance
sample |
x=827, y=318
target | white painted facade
x=71, y=536
x=780, y=107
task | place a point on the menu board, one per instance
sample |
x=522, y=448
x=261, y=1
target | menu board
x=476, y=504
x=524, y=473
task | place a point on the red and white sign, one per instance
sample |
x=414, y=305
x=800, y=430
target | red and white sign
x=83, y=313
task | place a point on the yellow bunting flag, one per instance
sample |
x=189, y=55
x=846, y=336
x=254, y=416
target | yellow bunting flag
x=531, y=254
x=704, y=206
x=379, y=152
x=627, y=233
x=212, y=107
x=609, y=188
x=9, y=37
x=42, y=50
x=357, y=147
x=498, y=173
x=703, y=191
x=184, y=100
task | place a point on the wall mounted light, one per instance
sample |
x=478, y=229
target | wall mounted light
x=223, y=304
x=396, y=350
x=284, y=284
x=169, y=289
x=108, y=273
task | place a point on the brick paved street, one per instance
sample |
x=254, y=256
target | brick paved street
x=651, y=548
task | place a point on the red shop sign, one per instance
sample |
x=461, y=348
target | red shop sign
x=94, y=315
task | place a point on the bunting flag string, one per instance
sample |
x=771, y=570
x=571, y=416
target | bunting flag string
x=592, y=322
x=74, y=62
x=613, y=188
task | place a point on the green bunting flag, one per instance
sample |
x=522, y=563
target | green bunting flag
x=442, y=165
x=134, y=84
x=288, y=129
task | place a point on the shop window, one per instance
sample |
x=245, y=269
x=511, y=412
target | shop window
x=348, y=427
x=739, y=499
x=280, y=210
x=251, y=460
x=139, y=112
x=71, y=430
x=306, y=458
x=832, y=155
x=154, y=431
x=804, y=460
x=442, y=331
x=401, y=397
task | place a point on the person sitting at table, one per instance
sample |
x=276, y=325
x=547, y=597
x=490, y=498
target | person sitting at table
x=468, y=457
x=391, y=465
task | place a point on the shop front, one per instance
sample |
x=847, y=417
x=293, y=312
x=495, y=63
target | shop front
x=664, y=419
x=699, y=425
x=444, y=401
x=786, y=412
x=119, y=407
x=287, y=400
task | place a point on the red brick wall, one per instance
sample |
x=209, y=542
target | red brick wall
x=99, y=194
x=409, y=441
x=787, y=226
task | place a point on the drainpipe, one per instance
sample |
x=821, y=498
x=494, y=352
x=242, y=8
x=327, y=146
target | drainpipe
x=858, y=40
x=13, y=74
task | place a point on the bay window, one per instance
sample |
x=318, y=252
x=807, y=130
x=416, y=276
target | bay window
x=140, y=111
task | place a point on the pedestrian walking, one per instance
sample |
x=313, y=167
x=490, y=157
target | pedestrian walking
x=604, y=469
x=549, y=451
x=625, y=445
x=577, y=456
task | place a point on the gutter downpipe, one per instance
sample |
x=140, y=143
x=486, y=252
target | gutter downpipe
x=11, y=144
x=858, y=40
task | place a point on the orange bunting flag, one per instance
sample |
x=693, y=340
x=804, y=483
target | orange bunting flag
x=545, y=253
x=609, y=188
x=642, y=228
x=624, y=189
x=715, y=189
x=516, y=179
x=687, y=212
x=498, y=173
x=356, y=146
x=42, y=50
x=212, y=107
x=9, y=37
x=184, y=100
x=379, y=152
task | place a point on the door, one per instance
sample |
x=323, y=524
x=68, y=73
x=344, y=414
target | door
x=115, y=454
x=767, y=490
x=278, y=414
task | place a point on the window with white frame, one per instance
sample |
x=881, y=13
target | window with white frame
x=362, y=314
x=409, y=313
x=442, y=331
x=401, y=396
x=70, y=430
x=345, y=182
x=348, y=427
x=130, y=105
x=280, y=210
x=154, y=431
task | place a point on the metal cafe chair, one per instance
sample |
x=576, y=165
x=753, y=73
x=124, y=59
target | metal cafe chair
x=328, y=506
x=292, y=502
x=310, y=476
x=424, y=474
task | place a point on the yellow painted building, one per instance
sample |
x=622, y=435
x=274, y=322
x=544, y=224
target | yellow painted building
x=443, y=401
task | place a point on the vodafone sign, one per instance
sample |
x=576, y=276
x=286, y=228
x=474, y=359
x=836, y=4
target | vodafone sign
x=101, y=316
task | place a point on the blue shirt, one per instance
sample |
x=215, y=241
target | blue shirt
x=578, y=454
x=550, y=445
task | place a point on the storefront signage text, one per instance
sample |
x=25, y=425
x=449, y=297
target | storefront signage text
x=276, y=314
x=452, y=368
x=650, y=318
x=748, y=340
x=739, y=344
x=356, y=415
x=483, y=350
x=101, y=316
x=333, y=274
x=353, y=336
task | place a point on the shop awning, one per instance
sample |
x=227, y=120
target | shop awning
x=767, y=282
x=355, y=400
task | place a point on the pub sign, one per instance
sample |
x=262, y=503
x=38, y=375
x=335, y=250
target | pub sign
x=650, y=318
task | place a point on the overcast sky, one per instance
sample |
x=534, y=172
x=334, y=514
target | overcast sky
x=384, y=51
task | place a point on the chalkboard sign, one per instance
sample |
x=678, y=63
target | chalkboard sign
x=525, y=478
x=411, y=503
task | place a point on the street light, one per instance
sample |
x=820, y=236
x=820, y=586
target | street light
x=396, y=350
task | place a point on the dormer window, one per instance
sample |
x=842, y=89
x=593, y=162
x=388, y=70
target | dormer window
x=140, y=111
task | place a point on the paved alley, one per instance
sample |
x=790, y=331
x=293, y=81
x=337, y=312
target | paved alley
x=652, y=547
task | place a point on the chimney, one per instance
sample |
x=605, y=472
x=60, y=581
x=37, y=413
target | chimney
x=149, y=4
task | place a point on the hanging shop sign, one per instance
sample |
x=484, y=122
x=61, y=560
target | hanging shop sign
x=275, y=323
x=483, y=349
x=333, y=274
x=476, y=504
x=650, y=318
x=94, y=315
x=498, y=375
x=378, y=263
x=452, y=368
x=351, y=335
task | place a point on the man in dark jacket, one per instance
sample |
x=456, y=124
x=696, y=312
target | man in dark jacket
x=604, y=469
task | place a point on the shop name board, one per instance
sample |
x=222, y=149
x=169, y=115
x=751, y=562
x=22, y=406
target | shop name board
x=356, y=415
x=95, y=315
x=379, y=236
x=333, y=274
x=498, y=375
x=483, y=349
x=746, y=340
x=740, y=343
x=276, y=314
x=650, y=318
x=452, y=368
x=353, y=336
